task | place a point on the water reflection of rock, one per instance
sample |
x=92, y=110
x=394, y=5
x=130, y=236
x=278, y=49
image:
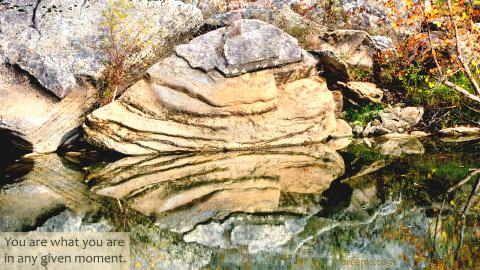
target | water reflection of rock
x=396, y=146
x=46, y=190
x=182, y=191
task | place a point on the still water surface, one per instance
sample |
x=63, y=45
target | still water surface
x=394, y=205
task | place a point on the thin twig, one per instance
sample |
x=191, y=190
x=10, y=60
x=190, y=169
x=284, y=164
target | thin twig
x=460, y=90
x=470, y=199
x=470, y=76
x=465, y=180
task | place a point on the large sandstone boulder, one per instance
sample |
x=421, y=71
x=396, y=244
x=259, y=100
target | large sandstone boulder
x=180, y=108
x=57, y=41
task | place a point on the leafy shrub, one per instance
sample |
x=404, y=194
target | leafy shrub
x=361, y=115
x=125, y=36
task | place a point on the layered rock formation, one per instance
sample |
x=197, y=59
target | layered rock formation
x=58, y=44
x=39, y=121
x=273, y=99
x=182, y=191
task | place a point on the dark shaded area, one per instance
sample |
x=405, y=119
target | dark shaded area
x=79, y=153
x=335, y=198
x=207, y=27
x=14, y=170
x=331, y=68
x=11, y=148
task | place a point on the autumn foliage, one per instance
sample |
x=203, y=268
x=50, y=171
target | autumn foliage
x=443, y=39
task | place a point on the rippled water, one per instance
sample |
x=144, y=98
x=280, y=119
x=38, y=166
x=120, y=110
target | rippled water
x=389, y=205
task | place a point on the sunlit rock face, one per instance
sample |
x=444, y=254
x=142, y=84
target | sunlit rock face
x=182, y=191
x=58, y=41
x=47, y=189
x=40, y=121
x=182, y=109
x=253, y=45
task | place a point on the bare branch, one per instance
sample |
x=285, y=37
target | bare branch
x=443, y=79
x=461, y=90
x=465, y=180
x=470, y=76
x=470, y=198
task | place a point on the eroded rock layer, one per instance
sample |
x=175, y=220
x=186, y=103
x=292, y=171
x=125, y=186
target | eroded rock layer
x=178, y=108
x=40, y=121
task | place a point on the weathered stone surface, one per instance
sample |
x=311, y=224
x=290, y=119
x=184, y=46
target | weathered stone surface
x=370, y=15
x=71, y=221
x=214, y=185
x=179, y=108
x=255, y=45
x=354, y=47
x=242, y=233
x=404, y=118
x=40, y=121
x=395, y=122
x=364, y=91
x=43, y=192
x=344, y=53
x=282, y=16
x=57, y=41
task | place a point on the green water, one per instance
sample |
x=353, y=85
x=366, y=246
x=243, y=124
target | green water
x=393, y=205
